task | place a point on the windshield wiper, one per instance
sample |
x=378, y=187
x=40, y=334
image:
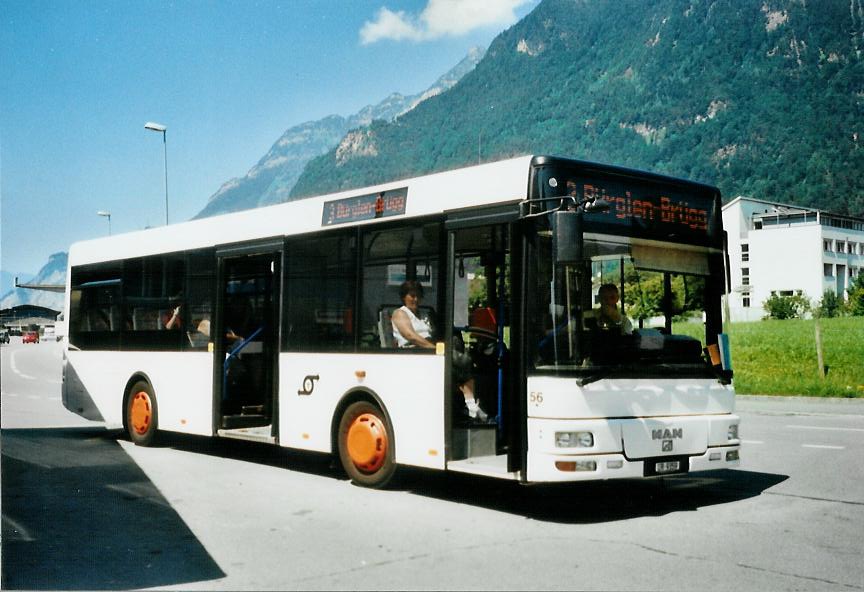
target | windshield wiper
x=583, y=380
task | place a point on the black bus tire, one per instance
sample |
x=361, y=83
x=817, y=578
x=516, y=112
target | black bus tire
x=141, y=414
x=366, y=445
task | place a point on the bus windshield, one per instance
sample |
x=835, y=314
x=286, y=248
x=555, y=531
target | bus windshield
x=641, y=298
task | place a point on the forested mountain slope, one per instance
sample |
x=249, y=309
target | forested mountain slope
x=760, y=97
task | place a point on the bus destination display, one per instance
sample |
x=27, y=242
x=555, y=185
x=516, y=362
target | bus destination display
x=651, y=212
x=365, y=207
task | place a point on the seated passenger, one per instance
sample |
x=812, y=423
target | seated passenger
x=409, y=330
x=610, y=316
x=171, y=318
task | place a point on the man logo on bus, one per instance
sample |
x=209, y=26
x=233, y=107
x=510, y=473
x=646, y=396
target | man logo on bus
x=667, y=434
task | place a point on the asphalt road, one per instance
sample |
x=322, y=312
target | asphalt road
x=83, y=508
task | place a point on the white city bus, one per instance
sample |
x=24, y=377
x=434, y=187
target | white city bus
x=282, y=331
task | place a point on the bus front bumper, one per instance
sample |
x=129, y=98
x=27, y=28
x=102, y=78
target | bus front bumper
x=544, y=467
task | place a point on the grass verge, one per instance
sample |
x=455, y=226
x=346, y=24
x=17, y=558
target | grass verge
x=779, y=357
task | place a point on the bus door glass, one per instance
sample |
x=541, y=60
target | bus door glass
x=481, y=333
x=246, y=354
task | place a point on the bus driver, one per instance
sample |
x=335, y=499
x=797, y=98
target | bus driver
x=610, y=316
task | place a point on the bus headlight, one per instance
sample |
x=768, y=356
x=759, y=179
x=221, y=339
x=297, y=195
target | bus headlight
x=733, y=432
x=574, y=439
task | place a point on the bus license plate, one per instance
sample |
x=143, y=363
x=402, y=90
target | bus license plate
x=669, y=466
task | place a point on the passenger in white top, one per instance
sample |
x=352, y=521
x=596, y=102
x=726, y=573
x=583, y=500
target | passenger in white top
x=408, y=329
x=411, y=331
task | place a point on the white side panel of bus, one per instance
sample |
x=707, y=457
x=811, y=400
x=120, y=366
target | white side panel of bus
x=411, y=387
x=562, y=398
x=182, y=383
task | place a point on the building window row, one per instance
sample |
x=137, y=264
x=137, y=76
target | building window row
x=836, y=222
x=829, y=270
x=841, y=246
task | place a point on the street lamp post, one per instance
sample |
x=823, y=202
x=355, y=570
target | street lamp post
x=158, y=127
x=106, y=215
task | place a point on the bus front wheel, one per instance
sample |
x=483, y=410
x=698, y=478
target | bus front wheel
x=141, y=414
x=366, y=446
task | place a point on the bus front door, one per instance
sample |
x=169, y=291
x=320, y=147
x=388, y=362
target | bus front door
x=246, y=352
x=480, y=269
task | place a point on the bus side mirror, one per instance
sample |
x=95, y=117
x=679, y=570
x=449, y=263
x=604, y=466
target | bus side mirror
x=567, y=237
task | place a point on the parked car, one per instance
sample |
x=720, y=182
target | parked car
x=4, y=336
x=30, y=337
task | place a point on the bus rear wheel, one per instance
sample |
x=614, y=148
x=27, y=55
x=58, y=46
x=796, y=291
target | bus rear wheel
x=366, y=446
x=142, y=419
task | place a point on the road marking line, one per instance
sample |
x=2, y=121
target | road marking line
x=14, y=367
x=823, y=446
x=752, y=442
x=804, y=427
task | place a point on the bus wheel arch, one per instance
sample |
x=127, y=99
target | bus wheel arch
x=140, y=411
x=363, y=439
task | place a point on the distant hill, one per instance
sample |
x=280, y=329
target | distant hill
x=272, y=179
x=52, y=273
x=759, y=97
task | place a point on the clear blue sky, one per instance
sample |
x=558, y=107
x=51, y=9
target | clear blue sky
x=79, y=78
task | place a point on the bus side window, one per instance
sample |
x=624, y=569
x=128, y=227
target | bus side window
x=319, y=294
x=390, y=257
x=95, y=309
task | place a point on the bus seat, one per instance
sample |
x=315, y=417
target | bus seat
x=114, y=319
x=197, y=339
x=385, y=326
x=145, y=319
x=484, y=320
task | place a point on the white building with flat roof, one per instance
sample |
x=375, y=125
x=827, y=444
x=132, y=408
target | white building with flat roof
x=785, y=249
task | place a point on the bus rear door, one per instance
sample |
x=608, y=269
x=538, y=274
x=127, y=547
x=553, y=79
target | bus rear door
x=246, y=338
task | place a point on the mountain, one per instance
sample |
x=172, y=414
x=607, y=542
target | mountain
x=52, y=273
x=759, y=97
x=272, y=178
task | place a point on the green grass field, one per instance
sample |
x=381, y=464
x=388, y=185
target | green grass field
x=779, y=357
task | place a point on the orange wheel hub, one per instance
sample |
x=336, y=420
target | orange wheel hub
x=141, y=413
x=367, y=442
